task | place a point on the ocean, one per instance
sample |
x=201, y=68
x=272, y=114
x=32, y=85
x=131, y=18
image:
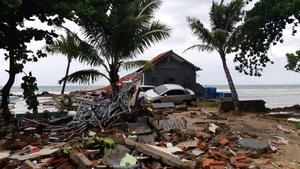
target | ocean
x=274, y=95
x=54, y=89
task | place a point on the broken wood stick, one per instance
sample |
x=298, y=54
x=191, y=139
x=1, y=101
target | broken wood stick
x=165, y=157
x=80, y=159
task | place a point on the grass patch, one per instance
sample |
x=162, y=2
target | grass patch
x=297, y=125
x=208, y=104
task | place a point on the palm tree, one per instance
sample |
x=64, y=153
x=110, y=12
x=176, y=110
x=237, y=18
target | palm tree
x=114, y=40
x=67, y=46
x=222, y=36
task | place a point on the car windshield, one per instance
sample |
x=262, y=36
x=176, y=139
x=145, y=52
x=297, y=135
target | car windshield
x=160, y=89
x=143, y=89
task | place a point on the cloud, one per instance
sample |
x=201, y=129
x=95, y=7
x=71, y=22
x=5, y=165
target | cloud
x=173, y=13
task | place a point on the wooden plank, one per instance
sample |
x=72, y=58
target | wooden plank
x=82, y=161
x=165, y=157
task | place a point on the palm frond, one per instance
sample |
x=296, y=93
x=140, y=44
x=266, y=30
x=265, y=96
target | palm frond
x=151, y=34
x=226, y=16
x=201, y=47
x=84, y=77
x=148, y=7
x=220, y=37
x=137, y=64
x=199, y=30
x=88, y=54
x=64, y=45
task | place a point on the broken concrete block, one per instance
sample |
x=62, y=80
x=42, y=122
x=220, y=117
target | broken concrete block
x=256, y=144
x=145, y=135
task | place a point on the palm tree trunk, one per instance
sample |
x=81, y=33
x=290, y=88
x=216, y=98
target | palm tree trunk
x=114, y=78
x=231, y=84
x=67, y=74
x=6, y=89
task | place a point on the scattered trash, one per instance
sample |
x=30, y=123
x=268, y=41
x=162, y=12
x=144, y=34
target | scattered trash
x=197, y=152
x=285, y=130
x=39, y=153
x=212, y=127
x=273, y=148
x=278, y=140
x=128, y=160
x=224, y=141
x=4, y=154
x=293, y=120
x=113, y=133
x=187, y=144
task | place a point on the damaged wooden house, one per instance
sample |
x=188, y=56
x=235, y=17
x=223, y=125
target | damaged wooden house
x=169, y=68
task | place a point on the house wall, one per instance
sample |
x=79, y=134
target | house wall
x=171, y=70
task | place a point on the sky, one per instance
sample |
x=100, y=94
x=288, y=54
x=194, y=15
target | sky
x=173, y=13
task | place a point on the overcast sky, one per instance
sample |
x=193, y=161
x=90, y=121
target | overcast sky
x=173, y=13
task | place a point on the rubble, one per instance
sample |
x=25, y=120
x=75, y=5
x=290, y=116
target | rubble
x=113, y=134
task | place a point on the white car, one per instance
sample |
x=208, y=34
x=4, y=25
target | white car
x=143, y=90
x=170, y=93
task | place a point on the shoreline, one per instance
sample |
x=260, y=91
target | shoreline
x=48, y=102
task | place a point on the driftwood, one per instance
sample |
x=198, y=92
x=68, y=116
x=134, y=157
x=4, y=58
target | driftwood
x=165, y=157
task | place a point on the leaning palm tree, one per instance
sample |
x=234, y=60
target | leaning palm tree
x=67, y=45
x=114, y=40
x=222, y=36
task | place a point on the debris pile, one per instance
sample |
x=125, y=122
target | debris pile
x=147, y=143
x=113, y=134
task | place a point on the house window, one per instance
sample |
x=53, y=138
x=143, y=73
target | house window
x=154, y=79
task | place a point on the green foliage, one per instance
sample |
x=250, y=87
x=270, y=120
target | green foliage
x=222, y=35
x=293, y=61
x=29, y=87
x=263, y=27
x=66, y=104
x=223, y=19
x=15, y=36
x=146, y=65
x=103, y=144
x=65, y=152
x=128, y=28
x=297, y=125
x=83, y=76
x=208, y=104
